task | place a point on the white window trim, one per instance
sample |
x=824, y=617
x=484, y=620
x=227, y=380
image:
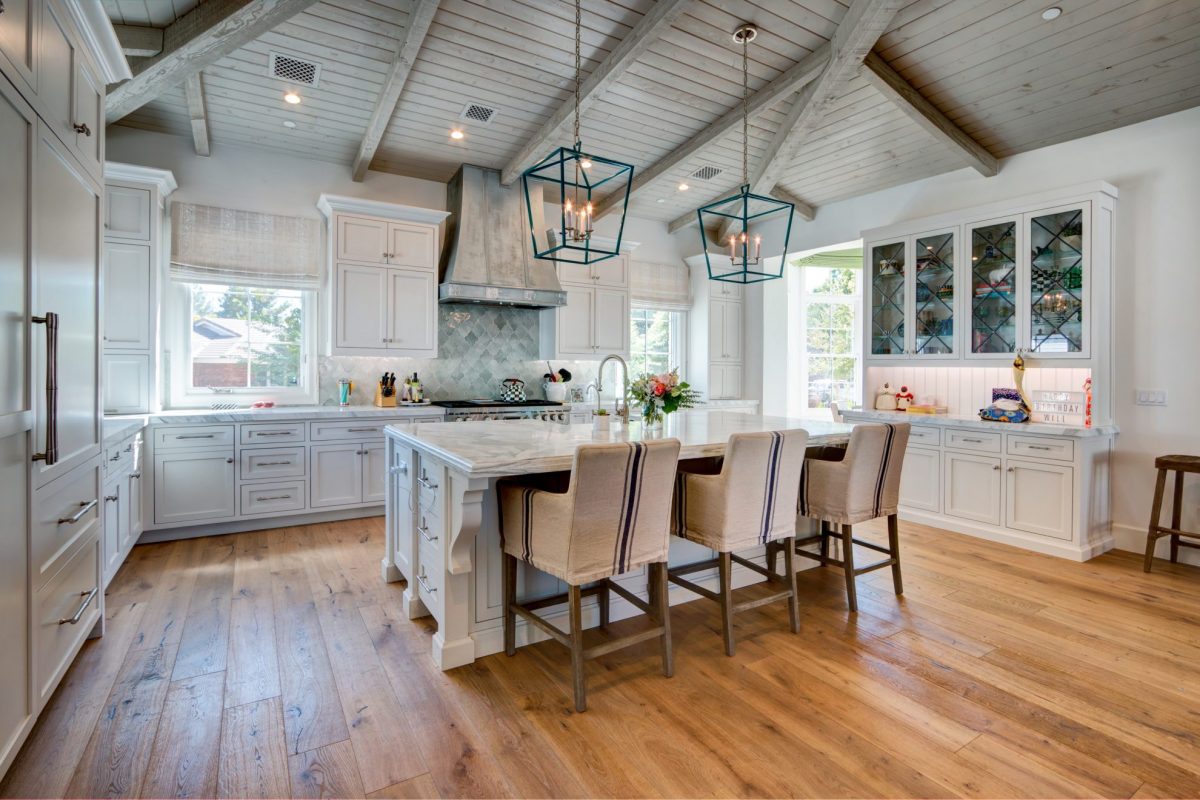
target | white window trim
x=800, y=297
x=679, y=335
x=177, y=310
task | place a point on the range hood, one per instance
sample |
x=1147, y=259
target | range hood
x=489, y=258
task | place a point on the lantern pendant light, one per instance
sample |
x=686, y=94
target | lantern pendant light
x=577, y=181
x=744, y=262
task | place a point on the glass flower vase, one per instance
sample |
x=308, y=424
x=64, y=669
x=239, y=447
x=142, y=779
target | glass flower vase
x=652, y=417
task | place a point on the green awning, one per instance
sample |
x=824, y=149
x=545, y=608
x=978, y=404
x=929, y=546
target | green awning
x=837, y=259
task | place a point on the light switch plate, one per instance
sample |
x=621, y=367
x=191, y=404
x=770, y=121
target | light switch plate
x=1151, y=397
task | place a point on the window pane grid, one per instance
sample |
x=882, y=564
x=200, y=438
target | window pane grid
x=830, y=304
x=245, y=338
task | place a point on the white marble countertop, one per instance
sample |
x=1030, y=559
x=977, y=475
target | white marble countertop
x=521, y=447
x=975, y=423
x=116, y=429
x=203, y=416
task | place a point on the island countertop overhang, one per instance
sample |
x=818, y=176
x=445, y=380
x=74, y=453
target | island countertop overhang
x=496, y=449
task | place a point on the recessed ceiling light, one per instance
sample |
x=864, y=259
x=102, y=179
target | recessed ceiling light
x=1054, y=12
x=683, y=187
x=287, y=123
x=292, y=98
x=456, y=134
x=661, y=200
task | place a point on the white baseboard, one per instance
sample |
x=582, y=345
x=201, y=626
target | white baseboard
x=259, y=524
x=1026, y=541
x=1133, y=540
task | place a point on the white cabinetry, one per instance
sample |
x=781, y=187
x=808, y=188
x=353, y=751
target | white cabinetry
x=384, y=264
x=716, y=335
x=135, y=199
x=347, y=474
x=725, y=331
x=1039, y=491
x=122, y=503
x=193, y=485
x=18, y=43
x=595, y=321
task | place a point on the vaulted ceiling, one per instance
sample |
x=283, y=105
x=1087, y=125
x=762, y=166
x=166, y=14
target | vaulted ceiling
x=947, y=84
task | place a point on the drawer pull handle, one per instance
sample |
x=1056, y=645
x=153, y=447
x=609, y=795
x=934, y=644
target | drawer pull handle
x=275, y=463
x=195, y=436
x=117, y=457
x=400, y=469
x=135, y=475
x=276, y=497
x=111, y=498
x=424, y=585
x=271, y=433
x=972, y=441
x=423, y=529
x=363, y=430
x=1037, y=447
x=84, y=508
x=426, y=483
x=88, y=597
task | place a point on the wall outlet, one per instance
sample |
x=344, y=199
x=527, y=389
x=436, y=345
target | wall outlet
x=1151, y=397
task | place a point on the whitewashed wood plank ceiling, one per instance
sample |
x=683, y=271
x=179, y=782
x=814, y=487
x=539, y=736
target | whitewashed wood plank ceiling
x=1008, y=78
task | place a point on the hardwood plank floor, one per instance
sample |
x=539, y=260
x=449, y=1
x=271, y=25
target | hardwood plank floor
x=276, y=663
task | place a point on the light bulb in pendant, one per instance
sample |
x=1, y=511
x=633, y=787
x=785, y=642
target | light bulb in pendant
x=585, y=163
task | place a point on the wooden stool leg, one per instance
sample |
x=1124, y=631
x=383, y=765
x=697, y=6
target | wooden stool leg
x=848, y=566
x=1176, y=515
x=725, y=568
x=894, y=546
x=574, y=607
x=772, y=554
x=1155, y=515
x=602, y=600
x=664, y=615
x=789, y=550
x=826, y=532
x=510, y=597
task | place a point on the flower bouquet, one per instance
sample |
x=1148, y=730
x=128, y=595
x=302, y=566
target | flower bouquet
x=659, y=395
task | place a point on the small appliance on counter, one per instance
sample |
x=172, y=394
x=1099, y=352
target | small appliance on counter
x=345, y=389
x=512, y=390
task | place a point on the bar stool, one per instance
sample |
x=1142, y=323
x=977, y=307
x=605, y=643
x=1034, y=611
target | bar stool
x=863, y=485
x=1179, y=465
x=750, y=502
x=613, y=517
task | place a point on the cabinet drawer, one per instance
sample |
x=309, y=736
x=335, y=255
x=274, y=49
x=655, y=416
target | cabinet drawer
x=266, y=498
x=75, y=589
x=925, y=435
x=429, y=489
x=354, y=430
x=118, y=459
x=429, y=577
x=274, y=462
x=984, y=442
x=176, y=438
x=1041, y=447
x=65, y=511
x=267, y=433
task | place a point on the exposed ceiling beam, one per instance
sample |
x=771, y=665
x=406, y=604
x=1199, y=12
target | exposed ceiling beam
x=787, y=83
x=194, y=88
x=419, y=20
x=907, y=99
x=865, y=21
x=632, y=47
x=198, y=39
x=137, y=40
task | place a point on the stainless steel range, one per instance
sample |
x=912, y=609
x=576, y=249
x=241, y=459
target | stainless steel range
x=476, y=410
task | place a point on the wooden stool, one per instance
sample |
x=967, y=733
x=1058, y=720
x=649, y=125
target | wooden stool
x=1179, y=465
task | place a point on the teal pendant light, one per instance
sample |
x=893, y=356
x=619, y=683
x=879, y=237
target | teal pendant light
x=578, y=181
x=741, y=258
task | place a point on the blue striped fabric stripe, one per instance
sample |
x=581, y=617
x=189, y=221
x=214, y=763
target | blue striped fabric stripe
x=635, y=465
x=527, y=525
x=881, y=481
x=772, y=487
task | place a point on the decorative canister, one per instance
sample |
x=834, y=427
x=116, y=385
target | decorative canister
x=885, y=398
x=555, y=392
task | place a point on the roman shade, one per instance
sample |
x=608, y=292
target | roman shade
x=210, y=244
x=665, y=286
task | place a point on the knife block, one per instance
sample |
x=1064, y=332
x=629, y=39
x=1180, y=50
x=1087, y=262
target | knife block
x=384, y=402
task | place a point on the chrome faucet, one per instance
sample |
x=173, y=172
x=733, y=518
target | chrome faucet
x=623, y=413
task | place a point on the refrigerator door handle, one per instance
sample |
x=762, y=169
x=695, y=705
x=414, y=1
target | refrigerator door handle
x=50, y=454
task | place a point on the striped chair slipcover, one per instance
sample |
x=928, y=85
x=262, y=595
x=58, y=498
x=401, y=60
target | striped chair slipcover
x=613, y=517
x=750, y=502
x=863, y=485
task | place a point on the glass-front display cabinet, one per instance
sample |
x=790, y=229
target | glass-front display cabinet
x=912, y=309
x=1029, y=284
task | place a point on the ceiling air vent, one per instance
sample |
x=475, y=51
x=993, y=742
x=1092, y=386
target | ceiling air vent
x=477, y=112
x=293, y=70
x=707, y=173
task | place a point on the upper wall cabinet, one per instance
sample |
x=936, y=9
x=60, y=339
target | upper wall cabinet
x=595, y=321
x=1032, y=278
x=18, y=38
x=127, y=212
x=384, y=278
x=69, y=91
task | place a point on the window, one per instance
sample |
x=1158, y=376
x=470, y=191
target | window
x=656, y=340
x=241, y=340
x=828, y=298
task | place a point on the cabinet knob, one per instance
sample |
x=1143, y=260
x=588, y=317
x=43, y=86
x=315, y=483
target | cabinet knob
x=996, y=467
x=1012, y=469
x=111, y=498
x=229, y=461
x=82, y=128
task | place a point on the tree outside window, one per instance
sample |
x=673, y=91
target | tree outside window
x=830, y=303
x=655, y=340
x=245, y=338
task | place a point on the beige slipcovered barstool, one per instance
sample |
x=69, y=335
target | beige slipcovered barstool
x=613, y=517
x=750, y=502
x=863, y=485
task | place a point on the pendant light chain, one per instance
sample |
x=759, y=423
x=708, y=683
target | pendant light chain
x=745, y=108
x=578, y=70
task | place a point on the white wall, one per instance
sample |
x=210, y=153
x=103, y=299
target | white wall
x=1156, y=167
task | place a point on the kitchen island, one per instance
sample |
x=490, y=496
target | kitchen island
x=442, y=522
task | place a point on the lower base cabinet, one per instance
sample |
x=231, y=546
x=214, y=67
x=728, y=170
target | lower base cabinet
x=1038, y=498
x=67, y=609
x=347, y=474
x=921, y=479
x=192, y=486
x=973, y=487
